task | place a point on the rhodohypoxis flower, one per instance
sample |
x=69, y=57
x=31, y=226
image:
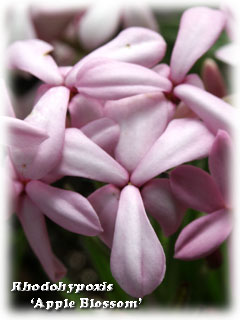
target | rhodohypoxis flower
x=34, y=149
x=206, y=193
x=137, y=258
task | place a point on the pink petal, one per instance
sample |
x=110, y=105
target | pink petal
x=137, y=257
x=105, y=202
x=196, y=189
x=104, y=132
x=33, y=56
x=216, y=113
x=199, y=29
x=184, y=140
x=42, y=89
x=182, y=111
x=212, y=78
x=83, y=158
x=142, y=120
x=34, y=226
x=219, y=162
x=229, y=54
x=135, y=45
x=204, y=235
x=161, y=203
x=83, y=110
x=49, y=114
x=162, y=69
x=22, y=134
x=112, y=80
x=91, y=35
x=139, y=15
x=68, y=209
x=194, y=80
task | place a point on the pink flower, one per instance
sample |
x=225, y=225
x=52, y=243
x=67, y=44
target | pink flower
x=206, y=193
x=34, y=149
x=140, y=155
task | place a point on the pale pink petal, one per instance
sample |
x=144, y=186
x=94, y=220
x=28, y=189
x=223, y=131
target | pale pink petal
x=220, y=162
x=83, y=158
x=196, y=189
x=184, y=140
x=68, y=209
x=42, y=89
x=199, y=29
x=7, y=105
x=142, y=120
x=83, y=110
x=135, y=45
x=105, y=202
x=139, y=15
x=204, y=235
x=213, y=79
x=216, y=113
x=137, y=257
x=194, y=80
x=34, y=226
x=163, y=69
x=182, y=111
x=22, y=134
x=99, y=24
x=229, y=54
x=33, y=56
x=112, y=80
x=160, y=202
x=104, y=132
x=48, y=114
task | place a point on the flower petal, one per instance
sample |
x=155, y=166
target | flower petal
x=83, y=110
x=219, y=162
x=139, y=15
x=48, y=114
x=212, y=78
x=112, y=80
x=204, y=235
x=196, y=189
x=163, y=69
x=68, y=209
x=108, y=17
x=184, y=140
x=137, y=257
x=33, y=56
x=161, y=203
x=104, y=132
x=34, y=226
x=216, y=113
x=105, y=202
x=22, y=134
x=194, y=80
x=142, y=119
x=134, y=45
x=83, y=158
x=199, y=29
x=229, y=54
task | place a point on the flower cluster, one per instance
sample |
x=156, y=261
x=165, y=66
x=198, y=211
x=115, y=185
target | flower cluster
x=121, y=117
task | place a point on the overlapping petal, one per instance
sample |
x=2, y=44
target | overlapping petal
x=48, y=114
x=104, y=132
x=105, y=202
x=160, y=202
x=137, y=257
x=196, y=189
x=219, y=163
x=34, y=226
x=83, y=110
x=68, y=209
x=199, y=29
x=112, y=80
x=142, y=119
x=183, y=140
x=139, y=15
x=216, y=113
x=83, y=158
x=33, y=56
x=204, y=235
